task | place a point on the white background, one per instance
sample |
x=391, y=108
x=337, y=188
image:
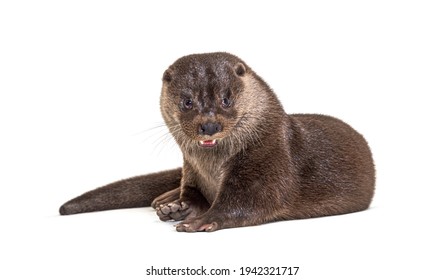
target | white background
x=79, y=108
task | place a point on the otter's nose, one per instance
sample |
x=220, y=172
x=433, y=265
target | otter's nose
x=209, y=128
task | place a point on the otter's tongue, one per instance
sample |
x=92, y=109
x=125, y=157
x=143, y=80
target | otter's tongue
x=208, y=143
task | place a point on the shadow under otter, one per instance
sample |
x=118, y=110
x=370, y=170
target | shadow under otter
x=246, y=162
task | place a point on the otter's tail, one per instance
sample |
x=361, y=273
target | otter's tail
x=138, y=191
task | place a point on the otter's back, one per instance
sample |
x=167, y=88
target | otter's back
x=334, y=162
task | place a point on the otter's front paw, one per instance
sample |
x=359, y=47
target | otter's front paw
x=176, y=210
x=195, y=225
x=167, y=197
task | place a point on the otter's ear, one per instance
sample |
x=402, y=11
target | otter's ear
x=240, y=69
x=168, y=76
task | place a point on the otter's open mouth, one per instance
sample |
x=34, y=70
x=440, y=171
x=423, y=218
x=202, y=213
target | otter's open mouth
x=208, y=143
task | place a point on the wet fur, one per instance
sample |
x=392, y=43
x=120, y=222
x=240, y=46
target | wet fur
x=267, y=165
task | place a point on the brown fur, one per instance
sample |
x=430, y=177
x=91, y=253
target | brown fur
x=138, y=191
x=266, y=165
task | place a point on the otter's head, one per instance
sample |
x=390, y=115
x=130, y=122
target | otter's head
x=207, y=100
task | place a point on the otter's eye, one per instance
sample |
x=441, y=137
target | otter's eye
x=187, y=104
x=225, y=103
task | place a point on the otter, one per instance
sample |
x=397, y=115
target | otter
x=245, y=161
